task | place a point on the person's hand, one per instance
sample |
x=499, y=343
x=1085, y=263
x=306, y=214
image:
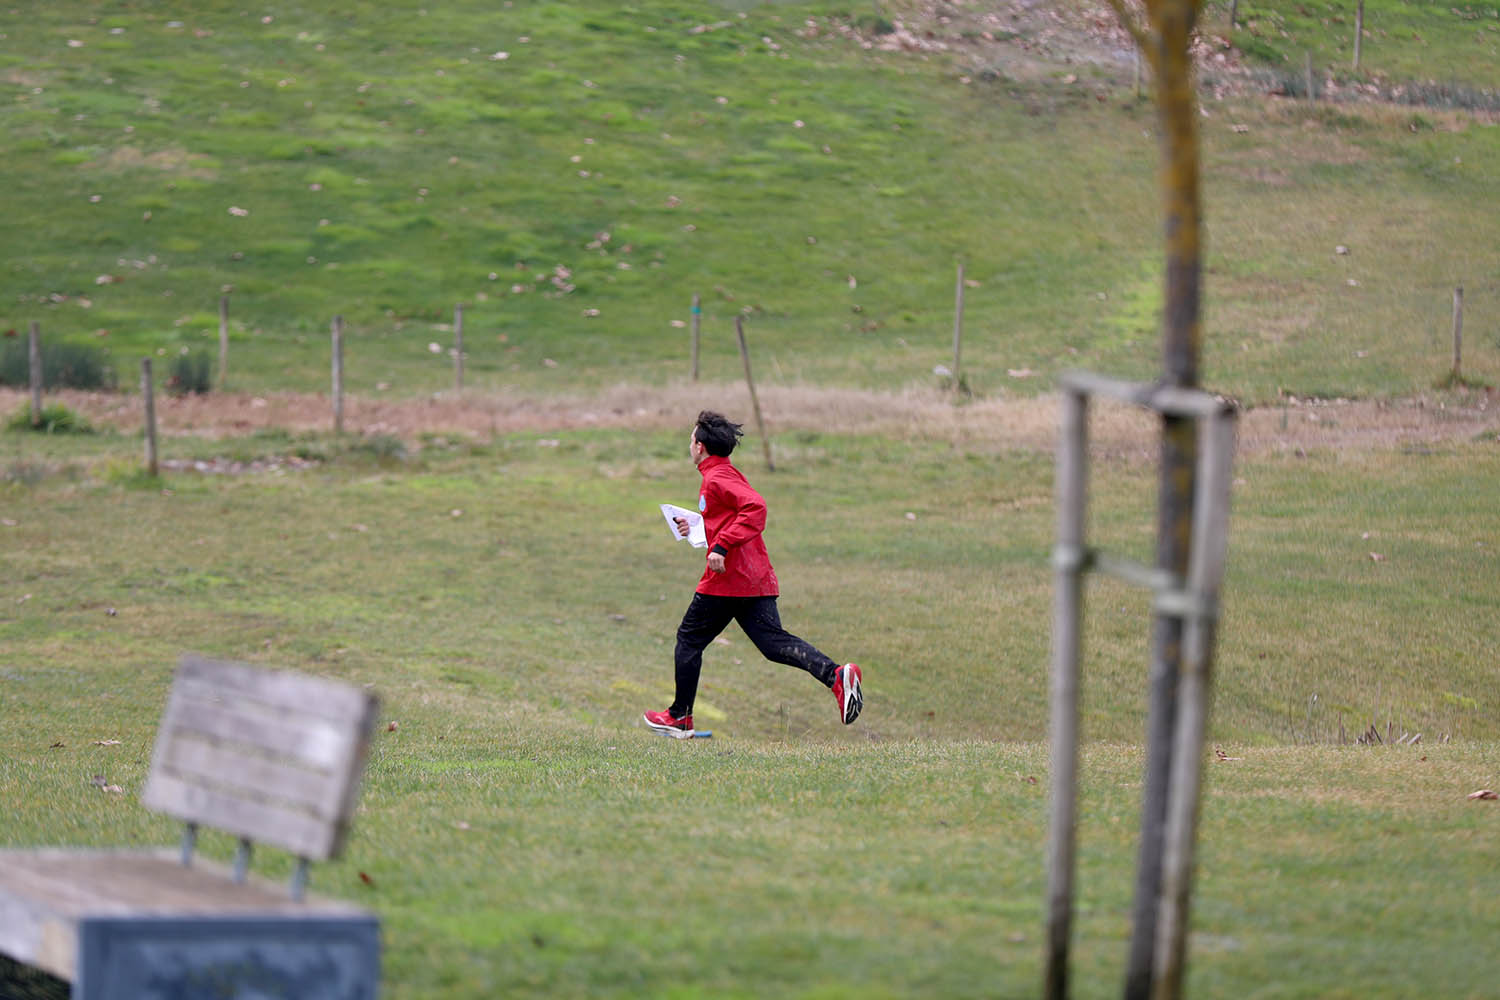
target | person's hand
x=682, y=526
x=716, y=562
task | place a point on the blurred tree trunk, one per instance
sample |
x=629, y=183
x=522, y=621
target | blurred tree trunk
x=1164, y=31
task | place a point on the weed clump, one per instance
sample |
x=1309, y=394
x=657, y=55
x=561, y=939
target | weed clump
x=64, y=366
x=383, y=448
x=190, y=375
x=55, y=419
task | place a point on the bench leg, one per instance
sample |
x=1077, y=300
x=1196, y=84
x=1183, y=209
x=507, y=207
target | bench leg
x=156, y=958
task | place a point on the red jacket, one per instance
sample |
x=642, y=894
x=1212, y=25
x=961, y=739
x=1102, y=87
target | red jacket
x=734, y=515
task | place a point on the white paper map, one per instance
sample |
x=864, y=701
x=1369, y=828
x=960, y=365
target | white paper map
x=694, y=519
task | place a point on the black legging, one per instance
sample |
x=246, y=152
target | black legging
x=709, y=615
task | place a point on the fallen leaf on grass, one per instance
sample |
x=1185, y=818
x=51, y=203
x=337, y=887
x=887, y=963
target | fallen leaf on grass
x=1484, y=793
x=392, y=726
x=59, y=743
x=367, y=880
x=106, y=743
x=1219, y=754
x=1019, y=372
x=1376, y=557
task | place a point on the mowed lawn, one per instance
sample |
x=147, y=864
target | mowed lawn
x=513, y=602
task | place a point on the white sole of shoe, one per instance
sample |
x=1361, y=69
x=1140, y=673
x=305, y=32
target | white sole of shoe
x=854, y=699
x=672, y=731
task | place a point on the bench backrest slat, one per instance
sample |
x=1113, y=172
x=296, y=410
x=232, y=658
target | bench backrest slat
x=275, y=757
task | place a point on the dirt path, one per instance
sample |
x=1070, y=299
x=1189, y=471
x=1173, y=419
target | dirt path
x=1020, y=423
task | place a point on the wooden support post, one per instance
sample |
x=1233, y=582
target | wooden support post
x=1200, y=613
x=338, y=374
x=148, y=395
x=958, y=329
x=223, y=340
x=34, y=366
x=697, y=316
x=1068, y=565
x=760, y=423
x=1359, y=31
x=1458, y=334
x=458, y=348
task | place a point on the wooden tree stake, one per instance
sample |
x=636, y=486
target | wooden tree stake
x=1072, y=492
x=760, y=423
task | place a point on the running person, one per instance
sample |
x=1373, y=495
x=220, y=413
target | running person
x=738, y=585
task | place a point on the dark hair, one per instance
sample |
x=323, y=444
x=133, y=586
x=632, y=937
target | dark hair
x=716, y=433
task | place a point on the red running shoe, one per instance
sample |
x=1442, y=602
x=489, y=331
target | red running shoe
x=847, y=693
x=664, y=723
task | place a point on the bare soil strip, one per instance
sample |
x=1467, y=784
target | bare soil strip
x=1028, y=423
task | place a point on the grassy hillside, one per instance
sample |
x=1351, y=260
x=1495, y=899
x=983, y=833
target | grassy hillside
x=576, y=172
x=1421, y=45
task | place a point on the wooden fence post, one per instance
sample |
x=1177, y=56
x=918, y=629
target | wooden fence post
x=34, y=376
x=149, y=397
x=223, y=340
x=1359, y=30
x=338, y=374
x=697, y=316
x=765, y=440
x=1458, y=334
x=458, y=348
x=958, y=329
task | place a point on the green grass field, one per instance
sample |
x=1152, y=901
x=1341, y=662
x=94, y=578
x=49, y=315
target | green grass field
x=514, y=601
x=513, y=595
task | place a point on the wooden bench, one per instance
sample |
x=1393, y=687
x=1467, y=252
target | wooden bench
x=269, y=757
